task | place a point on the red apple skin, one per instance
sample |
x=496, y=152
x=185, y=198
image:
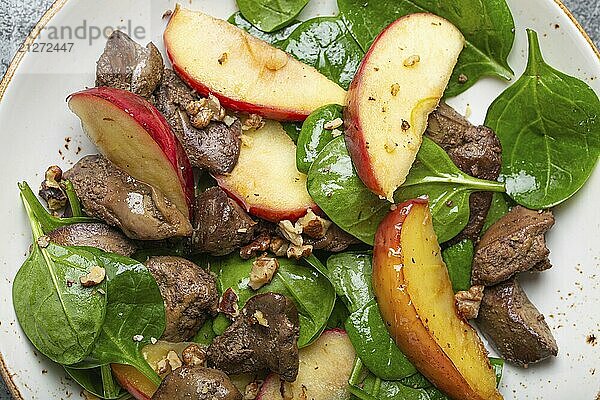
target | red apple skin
x=237, y=105
x=157, y=127
x=129, y=378
x=268, y=213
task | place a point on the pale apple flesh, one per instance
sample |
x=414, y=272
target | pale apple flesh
x=400, y=81
x=323, y=373
x=415, y=297
x=243, y=72
x=265, y=180
x=135, y=136
x=132, y=380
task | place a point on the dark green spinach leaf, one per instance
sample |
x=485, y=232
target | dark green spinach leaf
x=205, y=334
x=292, y=129
x=59, y=316
x=47, y=221
x=313, y=136
x=98, y=381
x=487, y=25
x=459, y=260
x=549, y=126
x=135, y=313
x=311, y=291
x=501, y=205
x=326, y=44
x=338, y=316
x=275, y=38
x=270, y=15
x=351, y=274
x=339, y=192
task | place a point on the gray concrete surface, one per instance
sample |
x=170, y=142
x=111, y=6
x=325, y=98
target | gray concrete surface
x=17, y=18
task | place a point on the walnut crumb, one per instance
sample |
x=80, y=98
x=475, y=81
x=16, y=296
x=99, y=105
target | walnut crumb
x=313, y=225
x=263, y=270
x=395, y=89
x=462, y=78
x=298, y=252
x=223, y=59
x=468, y=301
x=43, y=241
x=279, y=246
x=252, y=390
x=335, y=123
x=405, y=125
x=411, y=60
x=336, y=132
x=51, y=190
x=291, y=232
x=94, y=277
x=193, y=355
x=173, y=360
x=228, y=304
x=253, y=121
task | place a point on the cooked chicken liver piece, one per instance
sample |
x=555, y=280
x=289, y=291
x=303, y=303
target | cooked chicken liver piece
x=513, y=324
x=190, y=295
x=216, y=147
x=127, y=65
x=335, y=240
x=515, y=243
x=139, y=210
x=220, y=224
x=264, y=336
x=197, y=383
x=93, y=234
x=475, y=150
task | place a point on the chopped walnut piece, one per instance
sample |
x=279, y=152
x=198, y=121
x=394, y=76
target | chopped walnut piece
x=173, y=360
x=468, y=301
x=252, y=390
x=335, y=123
x=291, y=232
x=253, y=121
x=462, y=78
x=405, y=125
x=412, y=60
x=279, y=246
x=228, y=304
x=260, y=318
x=51, y=190
x=203, y=111
x=263, y=269
x=336, y=132
x=202, y=118
x=313, y=225
x=163, y=367
x=193, y=355
x=259, y=245
x=298, y=252
x=94, y=277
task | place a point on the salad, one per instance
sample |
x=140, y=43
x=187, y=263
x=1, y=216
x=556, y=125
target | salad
x=289, y=209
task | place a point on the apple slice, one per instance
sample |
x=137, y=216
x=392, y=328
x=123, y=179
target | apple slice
x=136, y=137
x=132, y=380
x=415, y=297
x=325, y=367
x=245, y=73
x=265, y=180
x=399, y=82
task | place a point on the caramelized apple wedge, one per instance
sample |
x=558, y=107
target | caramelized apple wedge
x=400, y=81
x=245, y=73
x=416, y=300
x=265, y=180
x=135, y=136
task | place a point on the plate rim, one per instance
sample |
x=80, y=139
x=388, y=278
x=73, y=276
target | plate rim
x=6, y=375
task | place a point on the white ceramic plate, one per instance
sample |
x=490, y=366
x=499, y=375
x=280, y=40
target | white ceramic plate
x=36, y=123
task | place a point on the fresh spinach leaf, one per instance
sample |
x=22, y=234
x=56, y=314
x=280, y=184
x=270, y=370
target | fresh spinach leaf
x=351, y=274
x=98, y=381
x=459, y=260
x=205, y=334
x=338, y=191
x=498, y=365
x=336, y=188
x=487, y=26
x=326, y=44
x=435, y=175
x=311, y=291
x=549, y=126
x=275, y=38
x=135, y=313
x=47, y=221
x=292, y=129
x=49, y=299
x=74, y=203
x=313, y=136
x=500, y=206
x=338, y=316
x=270, y=15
